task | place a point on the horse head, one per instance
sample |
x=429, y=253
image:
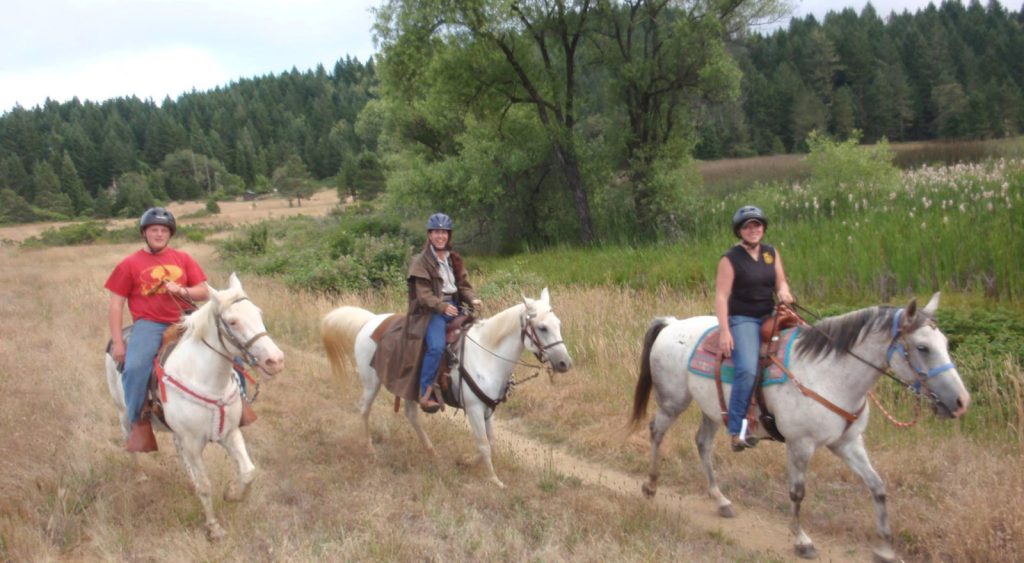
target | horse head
x=240, y=325
x=542, y=333
x=927, y=365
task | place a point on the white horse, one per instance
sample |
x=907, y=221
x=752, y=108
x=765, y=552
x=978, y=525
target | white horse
x=840, y=359
x=203, y=402
x=493, y=347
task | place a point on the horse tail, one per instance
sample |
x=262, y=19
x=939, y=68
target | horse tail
x=338, y=332
x=644, y=383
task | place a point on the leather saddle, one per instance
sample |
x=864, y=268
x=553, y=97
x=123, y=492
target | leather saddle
x=783, y=318
x=453, y=341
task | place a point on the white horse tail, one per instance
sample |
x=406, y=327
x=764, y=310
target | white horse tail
x=338, y=332
x=644, y=383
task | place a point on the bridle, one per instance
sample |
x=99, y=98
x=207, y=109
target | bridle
x=897, y=343
x=224, y=331
x=528, y=332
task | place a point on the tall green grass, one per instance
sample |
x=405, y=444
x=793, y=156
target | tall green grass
x=953, y=229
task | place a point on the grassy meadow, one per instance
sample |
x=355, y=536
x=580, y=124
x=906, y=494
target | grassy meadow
x=67, y=489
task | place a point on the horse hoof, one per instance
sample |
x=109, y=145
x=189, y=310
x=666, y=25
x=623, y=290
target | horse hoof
x=883, y=555
x=807, y=551
x=214, y=532
x=236, y=493
x=498, y=482
x=726, y=511
x=649, y=491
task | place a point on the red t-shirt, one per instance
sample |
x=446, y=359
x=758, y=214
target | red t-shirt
x=138, y=278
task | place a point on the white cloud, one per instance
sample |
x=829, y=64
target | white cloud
x=146, y=74
x=99, y=49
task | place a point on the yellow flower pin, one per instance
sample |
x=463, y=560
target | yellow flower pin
x=768, y=258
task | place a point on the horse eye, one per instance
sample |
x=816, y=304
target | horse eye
x=542, y=328
x=922, y=348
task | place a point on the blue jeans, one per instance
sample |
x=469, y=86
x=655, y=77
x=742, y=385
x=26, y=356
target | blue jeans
x=434, y=343
x=746, y=337
x=143, y=344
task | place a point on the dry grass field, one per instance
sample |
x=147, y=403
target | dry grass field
x=232, y=213
x=67, y=490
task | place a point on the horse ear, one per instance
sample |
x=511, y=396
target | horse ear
x=932, y=305
x=545, y=297
x=910, y=312
x=528, y=303
x=214, y=294
x=234, y=282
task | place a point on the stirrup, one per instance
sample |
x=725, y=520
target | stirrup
x=427, y=402
x=740, y=444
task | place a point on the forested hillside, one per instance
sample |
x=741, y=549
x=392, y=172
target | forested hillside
x=594, y=109
x=117, y=157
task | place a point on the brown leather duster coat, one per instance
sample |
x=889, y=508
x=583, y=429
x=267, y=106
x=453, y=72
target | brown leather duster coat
x=400, y=351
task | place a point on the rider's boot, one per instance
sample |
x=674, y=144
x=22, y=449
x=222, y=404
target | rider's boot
x=427, y=402
x=141, y=438
x=248, y=415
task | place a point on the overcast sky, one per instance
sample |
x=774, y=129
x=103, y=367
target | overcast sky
x=101, y=49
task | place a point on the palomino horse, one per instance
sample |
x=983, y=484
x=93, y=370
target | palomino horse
x=840, y=359
x=203, y=402
x=492, y=349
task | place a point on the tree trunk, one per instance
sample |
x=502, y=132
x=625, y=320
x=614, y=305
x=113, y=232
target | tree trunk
x=571, y=171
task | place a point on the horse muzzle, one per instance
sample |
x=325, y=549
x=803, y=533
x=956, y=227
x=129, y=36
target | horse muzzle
x=953, y=407
x=272, y=364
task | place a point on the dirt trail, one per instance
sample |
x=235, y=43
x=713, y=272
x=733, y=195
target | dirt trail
x=751, y=529
x=757, y=531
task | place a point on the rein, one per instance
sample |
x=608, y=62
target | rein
x=896, y=344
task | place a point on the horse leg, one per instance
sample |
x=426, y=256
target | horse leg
x=660, y=424
x=237, y=490
x=856, y=457
x=705, y=439
x=481, y=434
x=192, y=458
x=370, y=389
x=413, y=414
x=799, y=454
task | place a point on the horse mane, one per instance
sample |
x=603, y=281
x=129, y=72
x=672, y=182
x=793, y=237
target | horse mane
x=501, y=324
x=840, y=333
x=203, y=322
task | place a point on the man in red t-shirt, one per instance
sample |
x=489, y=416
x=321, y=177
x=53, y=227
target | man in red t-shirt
x=158, y=283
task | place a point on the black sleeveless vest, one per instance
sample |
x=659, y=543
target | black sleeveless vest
x=753, y=286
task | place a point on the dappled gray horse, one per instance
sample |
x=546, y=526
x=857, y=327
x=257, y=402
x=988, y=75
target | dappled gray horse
x=839, y=359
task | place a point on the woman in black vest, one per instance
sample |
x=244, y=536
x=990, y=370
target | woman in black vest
x=748, y=276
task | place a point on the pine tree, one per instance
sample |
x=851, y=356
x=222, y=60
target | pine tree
x=71, y=184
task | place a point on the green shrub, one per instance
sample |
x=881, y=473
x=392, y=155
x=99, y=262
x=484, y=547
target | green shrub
x=76, y=234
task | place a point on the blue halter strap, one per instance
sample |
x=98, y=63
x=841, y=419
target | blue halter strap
x=897, y=346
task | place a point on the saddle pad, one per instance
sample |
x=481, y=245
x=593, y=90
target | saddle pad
x=702, y=362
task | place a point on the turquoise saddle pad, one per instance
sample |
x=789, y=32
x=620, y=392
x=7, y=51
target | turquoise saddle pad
x=702, y=362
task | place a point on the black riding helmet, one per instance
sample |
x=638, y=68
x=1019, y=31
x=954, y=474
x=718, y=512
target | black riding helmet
x=157, y=216
x=748, y=213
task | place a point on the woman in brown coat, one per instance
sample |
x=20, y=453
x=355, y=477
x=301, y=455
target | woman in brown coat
x=438, y=284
